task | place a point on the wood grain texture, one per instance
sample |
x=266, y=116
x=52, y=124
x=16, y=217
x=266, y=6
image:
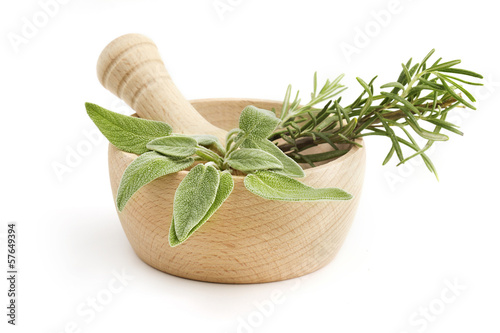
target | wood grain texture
x=131, y=68
x=249, y=239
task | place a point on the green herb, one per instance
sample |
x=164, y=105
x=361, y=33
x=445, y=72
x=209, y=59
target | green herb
x=226, y=185
x=127, y=133
x=273, y=186
x=249, y=159
x=174, y=146
x=143, y=170
x=207, y=185
x=193, y=198
x=267, y=149
x=258, y=123
x=208, y=141
x=290, y=167
x=420, y=98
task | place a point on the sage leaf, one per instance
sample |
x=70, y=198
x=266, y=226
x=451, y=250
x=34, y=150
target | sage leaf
x=194, y=197
x=172, y=237
x=290, y=167
x=127, y=133
x=145, y=169
x=258, y=123
x=175, y=146
x=226, y=185
x=207, y=140
x=250, y=159
x=273, y=186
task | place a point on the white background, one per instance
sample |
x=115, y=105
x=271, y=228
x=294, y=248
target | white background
x=411, y=235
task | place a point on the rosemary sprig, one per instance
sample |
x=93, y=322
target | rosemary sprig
x=421, y=97
x=292, y=110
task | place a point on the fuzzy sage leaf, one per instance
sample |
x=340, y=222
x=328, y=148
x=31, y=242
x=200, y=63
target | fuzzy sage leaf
x=258, y=123
x=124, y=132
x=143, y=170
x=194, y=197
x=175, y=146
x=250, y=159
x=208, y=140
x=290, y=167
x=273, y=186
x=226, y=185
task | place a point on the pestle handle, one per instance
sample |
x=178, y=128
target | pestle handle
x=131, y=68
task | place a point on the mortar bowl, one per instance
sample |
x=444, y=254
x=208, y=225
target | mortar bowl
x=249, y=239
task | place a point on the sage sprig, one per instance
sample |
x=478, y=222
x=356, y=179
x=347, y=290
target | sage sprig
x=206, y=186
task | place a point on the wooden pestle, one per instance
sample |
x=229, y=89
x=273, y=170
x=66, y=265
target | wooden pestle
x=131, y=68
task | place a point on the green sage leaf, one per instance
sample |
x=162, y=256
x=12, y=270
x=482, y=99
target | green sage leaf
x=226, y=185
x=290, y=167
x=127, y=133
x=251, y=159
x=194, y=197
x=175, y=146
x=273, y=186
x=143, y=170
x=258, y=123
x=207, y=140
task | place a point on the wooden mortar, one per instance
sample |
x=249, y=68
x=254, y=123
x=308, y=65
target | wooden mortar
x=249, y=239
